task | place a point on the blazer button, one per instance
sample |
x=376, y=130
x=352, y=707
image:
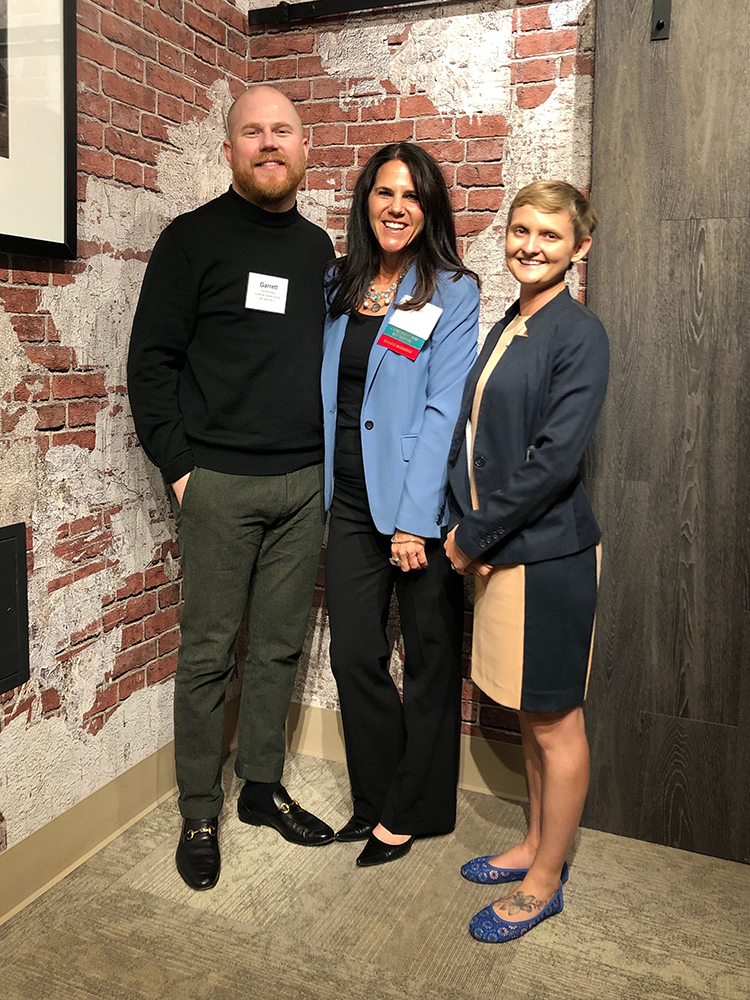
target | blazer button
x=369, y=425
x=495, y=534
x=478, y=462
x=482, y=543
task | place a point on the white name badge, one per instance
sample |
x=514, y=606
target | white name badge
x=266, y=293
x=420, y=322
x=407, y=332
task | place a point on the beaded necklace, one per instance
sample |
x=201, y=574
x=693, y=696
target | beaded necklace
x=375, y=301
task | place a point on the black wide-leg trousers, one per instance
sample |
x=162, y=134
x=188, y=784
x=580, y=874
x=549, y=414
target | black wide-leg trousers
x=402, y=757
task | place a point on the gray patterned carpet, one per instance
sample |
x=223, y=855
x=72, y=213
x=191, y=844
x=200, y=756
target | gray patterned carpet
x=640, y=922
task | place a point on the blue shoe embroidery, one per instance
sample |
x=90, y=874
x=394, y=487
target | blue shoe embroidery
x=480, y=870
x=487, y=926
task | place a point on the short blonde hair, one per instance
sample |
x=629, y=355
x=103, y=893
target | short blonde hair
x=558, y=196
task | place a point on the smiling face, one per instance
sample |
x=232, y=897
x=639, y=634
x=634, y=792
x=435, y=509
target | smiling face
x=539, y=247
x=395, y=215
x=265, y=149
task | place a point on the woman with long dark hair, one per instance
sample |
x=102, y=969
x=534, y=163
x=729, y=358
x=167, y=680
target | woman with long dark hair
x=400, y=339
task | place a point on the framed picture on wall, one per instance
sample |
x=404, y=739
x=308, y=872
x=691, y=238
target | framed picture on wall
x=38, y=127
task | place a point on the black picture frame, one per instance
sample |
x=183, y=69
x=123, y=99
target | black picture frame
x=312, y=10
x=66, y=247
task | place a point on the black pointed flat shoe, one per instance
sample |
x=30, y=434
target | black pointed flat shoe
x=294, y=823
x=198, y=860
x=376, y=852
x=355, y=829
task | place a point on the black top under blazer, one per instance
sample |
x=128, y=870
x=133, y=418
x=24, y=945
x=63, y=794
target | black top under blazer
x=537, y=415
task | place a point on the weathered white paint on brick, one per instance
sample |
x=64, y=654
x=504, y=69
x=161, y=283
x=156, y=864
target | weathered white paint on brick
x=46, y=768
x=14, y=367
x=567, y=12
x=313, y=685
x=194, y=170
x=360, y=51
x=552, y=141
x=461, y=63
x=314, y=205
x=56, y=768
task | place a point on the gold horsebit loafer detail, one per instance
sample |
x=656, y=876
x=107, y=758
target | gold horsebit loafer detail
x=288, y=818
x=210, y=830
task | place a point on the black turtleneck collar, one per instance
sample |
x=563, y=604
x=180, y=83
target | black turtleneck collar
x=274, y=220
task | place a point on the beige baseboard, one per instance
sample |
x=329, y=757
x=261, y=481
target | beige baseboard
x=493, y=768
x=315, y=731
x=486, y=765
x=35, y=864
x=32, y=866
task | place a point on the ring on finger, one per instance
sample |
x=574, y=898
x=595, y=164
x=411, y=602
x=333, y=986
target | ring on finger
x=394, y=561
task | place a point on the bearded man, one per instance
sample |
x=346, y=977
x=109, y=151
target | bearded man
x=223, y=378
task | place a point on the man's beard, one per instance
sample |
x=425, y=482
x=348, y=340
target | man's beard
x=270, y=191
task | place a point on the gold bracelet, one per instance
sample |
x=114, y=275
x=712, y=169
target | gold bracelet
x=411, y=538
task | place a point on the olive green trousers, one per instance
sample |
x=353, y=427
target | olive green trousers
x=251, y=540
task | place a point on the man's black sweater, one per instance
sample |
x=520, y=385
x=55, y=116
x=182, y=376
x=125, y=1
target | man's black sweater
x=211, y=382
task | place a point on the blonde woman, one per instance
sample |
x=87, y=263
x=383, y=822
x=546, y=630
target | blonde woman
x=521, y=523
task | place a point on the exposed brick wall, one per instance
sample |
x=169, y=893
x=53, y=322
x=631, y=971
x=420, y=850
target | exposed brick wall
x=147, y=607
x=470, y=149
x=145, y=69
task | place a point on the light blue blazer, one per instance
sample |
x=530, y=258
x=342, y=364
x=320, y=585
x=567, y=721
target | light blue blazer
x=409, y=410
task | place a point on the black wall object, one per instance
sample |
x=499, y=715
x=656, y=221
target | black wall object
x=661, y=19
x=14, y=608
x=284, y=13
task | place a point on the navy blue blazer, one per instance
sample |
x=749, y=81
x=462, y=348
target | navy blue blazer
x=409, y=410
x=537, y=415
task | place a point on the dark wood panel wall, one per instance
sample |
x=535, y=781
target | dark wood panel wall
x=669, y=472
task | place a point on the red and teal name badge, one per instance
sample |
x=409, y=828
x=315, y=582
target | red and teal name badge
x=408, y=332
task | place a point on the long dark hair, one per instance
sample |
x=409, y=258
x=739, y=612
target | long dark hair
x=434, y=249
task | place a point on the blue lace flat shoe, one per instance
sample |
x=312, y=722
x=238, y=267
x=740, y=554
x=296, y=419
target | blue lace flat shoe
x=487, y=926
x=480, y=870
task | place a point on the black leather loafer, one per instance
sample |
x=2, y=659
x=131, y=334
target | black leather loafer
x=355, y=829
x=294, y=823
x=198, y=859
x=375, y=852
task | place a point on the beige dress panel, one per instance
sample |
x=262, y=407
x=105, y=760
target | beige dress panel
x=498, y=638
x=499, y=599
x=593, y=630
